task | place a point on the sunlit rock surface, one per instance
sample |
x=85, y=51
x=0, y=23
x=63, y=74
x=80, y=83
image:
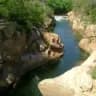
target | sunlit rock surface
x=75, y=82
x=54, y=40
x=77, y=24
x=88, y=32
x=87, y=45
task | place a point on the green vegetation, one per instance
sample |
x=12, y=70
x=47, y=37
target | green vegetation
x=60, y=6
x=78, y=36
x=27, y=13
x=86, y=8
x=93, y=73
x=30, y=13
x=83, y=55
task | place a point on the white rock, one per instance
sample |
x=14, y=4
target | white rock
x=75, y=82
x=51, y=88
x=90, y=30
x=84, y=44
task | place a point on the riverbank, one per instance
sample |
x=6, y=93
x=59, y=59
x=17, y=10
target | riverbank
x=70, y=83
x=74, y=84
x=85, y=30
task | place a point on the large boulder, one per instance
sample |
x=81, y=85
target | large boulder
x=90, y=30
x=53, y=40
x=75, y=82
x=78, y=25
x=52, y=88
x=76, y=22
x=71, y=16
x=87, y=45
x=84, y=44
x=68, y=84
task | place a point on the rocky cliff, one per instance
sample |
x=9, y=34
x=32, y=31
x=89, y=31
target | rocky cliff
x=21, y=51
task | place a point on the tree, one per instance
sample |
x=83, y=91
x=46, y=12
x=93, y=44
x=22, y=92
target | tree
x=60, y=6
x=27, y=13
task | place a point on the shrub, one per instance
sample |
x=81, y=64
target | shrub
x=93, y=73
x=27, y=13
x=60, y=6
x=86, y=7
x=92, y=15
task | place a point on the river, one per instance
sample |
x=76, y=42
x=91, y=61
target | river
x=28, y=84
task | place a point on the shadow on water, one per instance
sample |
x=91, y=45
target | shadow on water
x=28, y=85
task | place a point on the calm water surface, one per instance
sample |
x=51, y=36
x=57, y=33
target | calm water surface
x=28, y=84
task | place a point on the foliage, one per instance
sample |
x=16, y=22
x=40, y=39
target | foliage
x=78, y=36
x=25, y=12
x=93, y=73
x=83, y=55
x=60, y=6
x=93, y=15
x=86, y=7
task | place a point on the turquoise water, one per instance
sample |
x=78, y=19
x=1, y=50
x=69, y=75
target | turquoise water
x=28, y=84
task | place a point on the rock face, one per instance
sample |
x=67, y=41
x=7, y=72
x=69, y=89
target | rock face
x=75, y=82
x=75, y=20
x=84, y=44
x=23, y=51
x=88, y=32
x=87, y=45
x=49, y=87
x=88, y=42
x=55, y=49
x=53, y=40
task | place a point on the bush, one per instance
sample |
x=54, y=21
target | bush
x=86, y=7
x=93, y=15
x=93, y=73
x=27, y=13
x=60, y=6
